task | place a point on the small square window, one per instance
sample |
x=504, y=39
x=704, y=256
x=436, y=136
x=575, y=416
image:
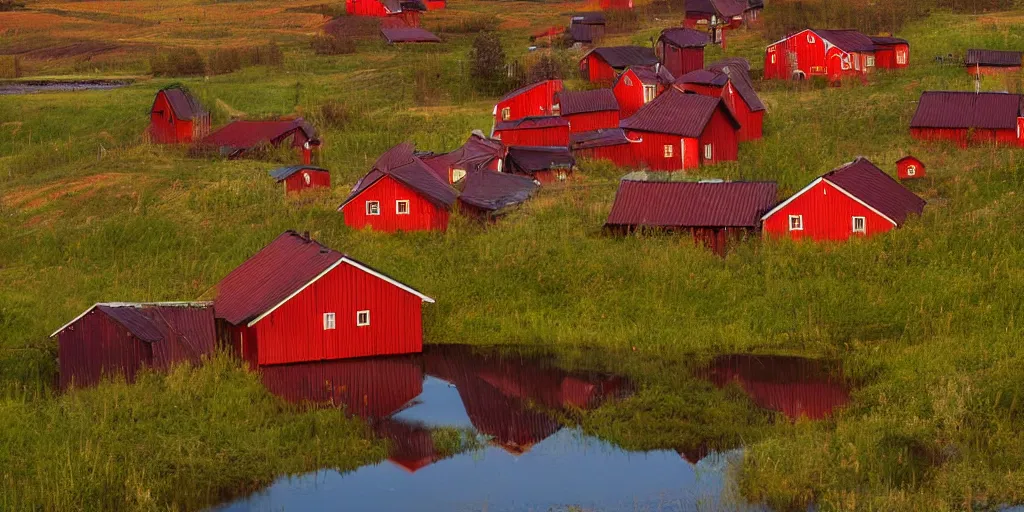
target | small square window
x=363, y=318
x=506, y=113
x=402, y=207
x=708, y=152
x=796, y=222
x=458, y=174
x=668, y=150
x=860, y=225
x=328, y=321
x=870, y=62
x=373, y=207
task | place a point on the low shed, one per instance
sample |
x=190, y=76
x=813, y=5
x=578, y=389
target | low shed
x=542, y=164
x=237, y=138
x=968, y=118
x=297, y=178
x=984, y=62
x=177, y=117
x=604, y=64
x=910, y=168
x=588, y=110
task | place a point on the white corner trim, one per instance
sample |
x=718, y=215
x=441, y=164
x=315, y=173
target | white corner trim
x=837, y=187
x=790, y=200
x=374, y=273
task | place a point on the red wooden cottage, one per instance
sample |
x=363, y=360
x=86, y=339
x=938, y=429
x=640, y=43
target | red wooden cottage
x=533, y=131
x=714, y=214
x=969, y=118
x=587, y=27
x=988, y=62
x=730, y=80
x=681, y=131
x=542, y=164
x=891, y=52
x=834, y=54
x=117, y=340
x=238, y=138
x=487, y=195
x=857, y=199
x=638, y=86
x=478, y=154
x=400, y=193
x=681, y=50
x=588, y=110
x=910, y=168
x=298, y=178
x=533, y=100
x=603, y=65
x=177, y=117
x=297, y=301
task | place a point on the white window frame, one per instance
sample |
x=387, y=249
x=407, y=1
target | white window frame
x=912, y=169
x=398, y=207
x=773, y=57
x=628, y=81
x=306, y=178
x=870, y=62
x=799, y=225
x=359, y=320
x=669, y=150
x=811, y=39
x=330, y=321
x=863, y=224
x=371, y=206
x=506, y=113
x=458, y=174
x=650, y=92
x=901, y=58
x=709, y=151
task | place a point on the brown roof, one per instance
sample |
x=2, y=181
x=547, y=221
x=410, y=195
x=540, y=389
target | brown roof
x=621, y=57
x=533, y=159
x=873, y=186
x=581, y=102
x=689, y=204
x=704, y=77
x=684, y=37
x=677, y=113
x=962, y=109
x=888, y=41
x=992, y=58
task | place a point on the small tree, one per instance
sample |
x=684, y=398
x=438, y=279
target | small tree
x=546, y=68
x=487, y=59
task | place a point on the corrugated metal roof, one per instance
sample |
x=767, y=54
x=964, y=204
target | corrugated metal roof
x=652, y=75
x=621, y=57
x=184, y=105
x=409, y=35
x=873, y=186
x=992, y=58
x=598, y=138
x=477, y=153
x=403, y=165
x=689, y=204
x=526, y=88
x=588, y=18
x=738, y=70
x=684, y=37
x=530, y=123
x=888, y=41
x=494, y=191
x=581, y=102
x=155, y=322
x=962, y=109
x=282, y=173
x=677, y=113
x=531, y=159
x=848, y=40
x=704, y=77
x=246, y=134
x=722, y=8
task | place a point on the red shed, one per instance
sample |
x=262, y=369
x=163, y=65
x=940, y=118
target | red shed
x=297, y=178
x=177, y=117
x=891, y=52
x=969, y=118
x=298, y=301
x=681, y=50
x=988, y=62
x=682, y=131
x=638, y=86
x=533, y=131
x=478, y=154
x=119, y=339
x=400, y=193
x=542, y=164
x=729, y=79
x=857, y=199
x=603, y=65
x=910, y=168
x=237, y=138
x=588, y=110
x=715, y=214
x=530, y=101
x=833, y=54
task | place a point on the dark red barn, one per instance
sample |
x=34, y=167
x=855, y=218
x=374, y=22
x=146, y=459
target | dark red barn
x=857, y=199
x=910, y=168
x=177, y=117
x=891, y=52
x=714, y=214
x=297, y=178
x=681, y=131
x=681, y=50
x=297, y=300
x=588, y=110
x=400, y=193
x=543, y=164
x=968, y=118
x=533, y=131
x=118, y=339
x=730, y=80
x=638, y=86
x=603, y=65
x=237, y=138
x=833, y=54
x=988, y=62
x=533, y=100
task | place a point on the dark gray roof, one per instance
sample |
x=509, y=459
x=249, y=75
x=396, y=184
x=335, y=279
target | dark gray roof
x=282, y=173
x=581, y=102
x=184, y=105
x=993, y=58
x=738, y=70
x=621, y=57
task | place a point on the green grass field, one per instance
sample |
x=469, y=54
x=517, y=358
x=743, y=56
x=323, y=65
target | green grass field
x=927, y=320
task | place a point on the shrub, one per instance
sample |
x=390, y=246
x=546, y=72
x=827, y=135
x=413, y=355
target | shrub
x=334, y=114
x=178, y=62
x=326, y=44
x=487, y=63
x=11, y=5
x=228, y=60
x=547, y=67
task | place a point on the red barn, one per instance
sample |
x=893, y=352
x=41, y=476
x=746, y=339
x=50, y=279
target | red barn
x=910, y=168
x=533, y=131
x=542, y=164
x=587, y=27
x=891, y=52
x=857, y=199
x=968, y=118
x=530, y=101
x=400, y=193
x=682, y=131
x=729, y=79
x=833, y=54
x=715, y=214
x=478, y=154
x=603, y=65
x=989, y=62
x=237, y=138
x=681, y=50
x=119, y=339
x=638, y=86
x=298, y=301
x=297, y=178
x=177, y=117
x=588, y=110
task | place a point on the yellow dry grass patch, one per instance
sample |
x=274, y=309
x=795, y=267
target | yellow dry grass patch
x=33, y=198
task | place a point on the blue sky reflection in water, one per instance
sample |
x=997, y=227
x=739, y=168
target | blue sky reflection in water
x=528, y=462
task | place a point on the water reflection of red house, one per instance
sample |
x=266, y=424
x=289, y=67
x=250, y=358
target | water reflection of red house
x=795, y=386
x=412, y=446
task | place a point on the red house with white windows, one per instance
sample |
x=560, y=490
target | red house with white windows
x=533, y=131
x=729, y=79
x=638, y=86
x=297, y=300
x=400, y=193
x=968, y=118
x=177, y=117
x=834, y=54
x=588, y=110
x=857, y=199
x=910, y=168
x=681, y=50
x=533, y=100
x=298, y=178
x=603, y=65
x=891, y=52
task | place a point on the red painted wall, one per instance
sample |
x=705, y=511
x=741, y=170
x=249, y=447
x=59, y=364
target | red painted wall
x=295, y=331
x=553, y=136
x=680, y=61
x=317, y=179
x=650, y=152
x=629, y=92
x=903, y=169
x=592, y=121
x=96, y=346
x=423, y=215
x=992, y=70
x=751, y=123
x=534, y=102
x=723, y=137
x=827, y=215
x=805, y=52
x=365, y=8
x=435, y=5
x=963, y=137
x=886, y=57
x=166, y=128
x=595, y=69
